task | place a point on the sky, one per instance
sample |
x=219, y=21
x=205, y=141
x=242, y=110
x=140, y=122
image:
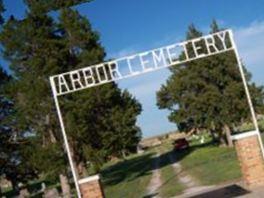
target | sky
x=128, y=27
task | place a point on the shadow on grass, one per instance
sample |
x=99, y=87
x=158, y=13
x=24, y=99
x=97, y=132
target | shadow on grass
x=151, y=195
x=164, y=158
x=128, y=170
x=131, y=169
x=224, y=192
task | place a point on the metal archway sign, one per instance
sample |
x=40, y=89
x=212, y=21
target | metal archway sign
x=141, y=63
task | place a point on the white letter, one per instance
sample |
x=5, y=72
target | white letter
x=76, y=80
x=222, y=38
x=114, y=70
x=159, y=58
x=101, y=80
x=62, y=82
x=183, y=44
x=196, y=48
x=144, y=62
x=88, y=75
x=129, y=64
x=210, y=42
x=172, y=56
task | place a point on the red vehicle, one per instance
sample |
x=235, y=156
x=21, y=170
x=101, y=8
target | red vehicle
x=181, y=144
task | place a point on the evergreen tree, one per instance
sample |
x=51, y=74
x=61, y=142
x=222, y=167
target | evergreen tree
x=39, y=46
x=13, y=164
x=91, y=115
x=102, y=128
x=33, y=51
x=208, y=93
x=45, y=6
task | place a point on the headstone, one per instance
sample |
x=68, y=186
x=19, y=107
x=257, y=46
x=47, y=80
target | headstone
x=23, y=193
x=51, y=193
x=202, y=139
x=43, y=187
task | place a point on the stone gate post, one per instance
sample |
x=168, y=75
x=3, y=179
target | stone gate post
x=250, y=158
x=91, y=187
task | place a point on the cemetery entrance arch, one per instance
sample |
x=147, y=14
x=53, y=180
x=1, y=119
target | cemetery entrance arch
x=248, y=143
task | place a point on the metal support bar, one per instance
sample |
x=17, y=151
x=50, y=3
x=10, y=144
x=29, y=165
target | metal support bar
x=252, y=111
x=65, y=138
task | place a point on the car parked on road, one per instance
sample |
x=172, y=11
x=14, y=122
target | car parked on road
x=181, y=144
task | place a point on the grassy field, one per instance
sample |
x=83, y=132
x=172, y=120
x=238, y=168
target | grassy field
x=249, y=126
x=121, y=180
x=171, y=185
x=207, y=163
x=128, y=178
x=211, y=164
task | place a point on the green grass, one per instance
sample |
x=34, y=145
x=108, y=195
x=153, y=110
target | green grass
x=207, y=163
x=128, y=178
x=248, y=126
x=211, y=164
x=171, y=185
x=261, y=125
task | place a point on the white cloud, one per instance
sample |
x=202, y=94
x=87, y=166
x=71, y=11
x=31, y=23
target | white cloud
x=125, y=52
x=255, y=28
x=149, y=83
x=250, y=41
